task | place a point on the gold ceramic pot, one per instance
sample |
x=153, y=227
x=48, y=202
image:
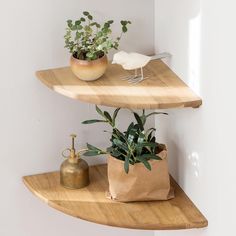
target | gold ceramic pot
x=89, y=70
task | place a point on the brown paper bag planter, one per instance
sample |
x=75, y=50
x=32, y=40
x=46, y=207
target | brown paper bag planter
x=140, y=184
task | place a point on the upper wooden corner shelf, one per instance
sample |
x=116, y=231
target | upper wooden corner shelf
x=163, y=88
x=91, y=204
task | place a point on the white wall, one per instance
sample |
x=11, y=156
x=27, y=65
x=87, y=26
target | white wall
x=201, y=36
x=35, y=122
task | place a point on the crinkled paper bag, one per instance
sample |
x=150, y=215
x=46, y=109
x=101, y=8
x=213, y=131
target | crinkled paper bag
x=140, y=184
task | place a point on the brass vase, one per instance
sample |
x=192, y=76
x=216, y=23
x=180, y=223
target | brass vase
x=74, y=171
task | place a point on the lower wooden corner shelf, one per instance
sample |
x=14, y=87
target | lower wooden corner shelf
x=91, y=204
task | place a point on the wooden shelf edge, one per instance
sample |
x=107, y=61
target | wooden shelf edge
x=111, y=91
x=91, y=205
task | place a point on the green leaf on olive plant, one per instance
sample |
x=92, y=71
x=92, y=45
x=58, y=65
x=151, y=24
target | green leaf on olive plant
x=134, y=145
x=93, y=121
x=115, y=115
x=108, y=116
x=145, y=162
x=91, y=147
x=150, y=156
x=121, y=145
x=91, y=153
x=139, y=121
x=99, y=111
x=148, y=144
x=126, y=164
x=92, y=150
x=157, y=113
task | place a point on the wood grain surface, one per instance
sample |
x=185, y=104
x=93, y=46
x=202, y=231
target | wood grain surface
x=163, y=88
x=91, y=204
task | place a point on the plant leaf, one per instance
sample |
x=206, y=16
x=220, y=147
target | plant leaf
x=150, y=156
x=99, y=111
x=86, y=13
x=120, y=134
x=115, y=136
x=114, y=152
x=129, y=128
x=156, y=158
x=153, y=140
x=90, y=17
x=91, y=147
x=148, y=144
x=130, y=138
x=149, y=133
x=126, y=164
x=141, y=138
x=93, y=121
x=156, y=113
x=69, y=23
x=151, y=129
x=114, y=116
x=78, y=22
x=108, y=116
x=123, y=22
x=121, y=145
x=139, y=121
x=91, y=153
x=143, y=117
x=145, y=162
x=124, y=29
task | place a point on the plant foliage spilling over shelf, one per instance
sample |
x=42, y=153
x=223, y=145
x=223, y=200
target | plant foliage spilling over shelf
x=86, y=39
x=134, y=145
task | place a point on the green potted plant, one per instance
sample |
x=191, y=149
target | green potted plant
x=89, y=42
x=137, y=164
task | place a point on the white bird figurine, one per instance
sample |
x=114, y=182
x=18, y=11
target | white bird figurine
x=132, y=61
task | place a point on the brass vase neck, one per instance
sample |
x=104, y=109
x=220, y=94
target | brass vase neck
x=72, y=150
x=73, y=157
